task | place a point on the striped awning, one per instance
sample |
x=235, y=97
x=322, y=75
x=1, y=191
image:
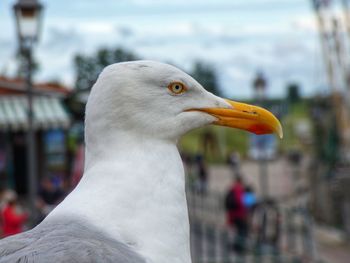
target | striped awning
x=49, y=113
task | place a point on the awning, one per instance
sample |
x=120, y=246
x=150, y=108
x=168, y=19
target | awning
x=49, y=113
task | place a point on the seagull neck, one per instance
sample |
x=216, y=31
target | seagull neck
x=122, y=146
x=135, y=192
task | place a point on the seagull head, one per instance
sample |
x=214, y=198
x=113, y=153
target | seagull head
x=157, y=100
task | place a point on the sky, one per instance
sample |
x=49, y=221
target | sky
x=238, y=38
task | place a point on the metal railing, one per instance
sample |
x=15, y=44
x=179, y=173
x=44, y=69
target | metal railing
x=280, y=232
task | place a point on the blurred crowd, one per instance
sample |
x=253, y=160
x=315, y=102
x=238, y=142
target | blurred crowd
x=15, y=216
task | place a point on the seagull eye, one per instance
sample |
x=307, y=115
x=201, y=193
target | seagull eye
x=177, y=88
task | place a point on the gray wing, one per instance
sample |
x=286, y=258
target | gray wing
x=68, y=241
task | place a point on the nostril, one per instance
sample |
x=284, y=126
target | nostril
x=250, y=112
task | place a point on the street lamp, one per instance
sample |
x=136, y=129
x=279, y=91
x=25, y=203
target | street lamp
x=28, y=22
x=259, y=85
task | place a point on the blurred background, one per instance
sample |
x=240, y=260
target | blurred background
x=251, y=198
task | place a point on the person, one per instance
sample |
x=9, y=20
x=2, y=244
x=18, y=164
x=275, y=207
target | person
x=49, y=197
x=236, y=214
x=188, y=162
x=2, y=204
x=78, y=165
x=234, y=162
x=12, y=219
x=202, y=173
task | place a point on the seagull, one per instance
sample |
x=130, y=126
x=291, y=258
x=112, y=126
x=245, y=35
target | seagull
x=130, y=205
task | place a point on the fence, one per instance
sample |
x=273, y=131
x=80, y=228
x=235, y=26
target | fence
x=281, y=232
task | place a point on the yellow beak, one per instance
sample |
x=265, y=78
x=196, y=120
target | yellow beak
x=246, y=117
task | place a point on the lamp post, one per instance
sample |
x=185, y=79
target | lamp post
x=259, y=85
x=28, y=22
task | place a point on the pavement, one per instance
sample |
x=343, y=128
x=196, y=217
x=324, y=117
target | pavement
x=330, y=244
x=280, y=177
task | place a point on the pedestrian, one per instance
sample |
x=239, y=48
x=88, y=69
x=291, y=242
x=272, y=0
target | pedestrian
x=78, y=165
x=50, y=195
x=202, y=174
x=2, y=204
x=234, y=162
x=12, y=218
x=236, y=214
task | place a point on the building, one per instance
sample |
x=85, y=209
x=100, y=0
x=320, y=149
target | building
x=51, y=122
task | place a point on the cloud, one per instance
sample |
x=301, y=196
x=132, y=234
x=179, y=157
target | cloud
x=236, y=37
x=59, y=40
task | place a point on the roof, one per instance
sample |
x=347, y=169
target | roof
x=17, y=86
x=49, y=113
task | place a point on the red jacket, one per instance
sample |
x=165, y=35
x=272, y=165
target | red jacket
x=12, y=222
x=240, y=211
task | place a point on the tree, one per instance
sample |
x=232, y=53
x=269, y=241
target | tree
x=293, y=95
x=87, y=68
x=23, y=66
x=206, y=75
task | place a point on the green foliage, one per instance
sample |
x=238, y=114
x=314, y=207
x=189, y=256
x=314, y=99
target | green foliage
x=227, y=140
x=22, y=66
x=206, y=76
x=293, y=95
x=87, y=68
x=298, y=111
